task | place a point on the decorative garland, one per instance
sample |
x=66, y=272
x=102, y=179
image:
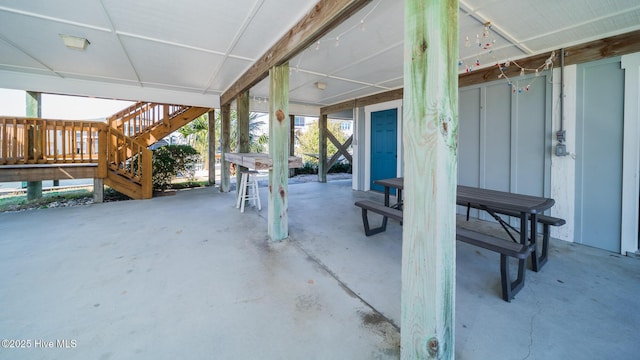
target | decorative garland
x=547, y=65
x=485, y=43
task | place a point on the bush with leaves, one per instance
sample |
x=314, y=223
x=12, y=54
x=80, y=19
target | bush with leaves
x=170, y=160
x=341, y=167
x=312, y=168
x=307, y=168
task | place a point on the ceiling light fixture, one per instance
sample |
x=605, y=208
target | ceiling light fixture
x=321, y=86
x=74, y=42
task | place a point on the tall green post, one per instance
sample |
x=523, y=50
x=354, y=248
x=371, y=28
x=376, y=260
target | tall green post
x=242, y=123
x=292, y=141
x=430, y=121
x=225, y=145
x=34, y=110
x=322, y=148
x=212, y=146
x=278, y=222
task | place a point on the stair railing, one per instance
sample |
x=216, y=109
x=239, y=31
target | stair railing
x=129, y=158
x=141, y=117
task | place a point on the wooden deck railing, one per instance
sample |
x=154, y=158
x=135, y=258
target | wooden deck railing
x=30, y=143
x=142, y=116
x=42, y=141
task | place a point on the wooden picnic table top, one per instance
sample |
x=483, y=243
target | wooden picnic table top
x=492, y=199
x=259, y=161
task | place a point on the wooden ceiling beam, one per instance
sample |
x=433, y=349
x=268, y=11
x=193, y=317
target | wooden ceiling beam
x=590, y=51
x=363, y=101
x=604, y=48
x=325, y=15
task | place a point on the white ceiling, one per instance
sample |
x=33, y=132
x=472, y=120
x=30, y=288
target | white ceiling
x=191, y=51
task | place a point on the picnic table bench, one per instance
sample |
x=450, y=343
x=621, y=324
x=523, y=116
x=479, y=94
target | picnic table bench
x=385, y=211
x=545, y=220
x=504, y=247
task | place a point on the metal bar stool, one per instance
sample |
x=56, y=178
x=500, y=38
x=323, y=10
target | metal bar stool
x=248, y=190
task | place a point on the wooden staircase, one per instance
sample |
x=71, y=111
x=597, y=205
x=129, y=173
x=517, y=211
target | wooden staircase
x=39, y=149
x=131, y=132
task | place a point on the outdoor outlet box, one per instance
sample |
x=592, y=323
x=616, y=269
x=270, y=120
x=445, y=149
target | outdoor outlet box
x=561, y=150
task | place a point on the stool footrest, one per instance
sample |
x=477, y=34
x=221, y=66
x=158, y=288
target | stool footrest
x=248, y=190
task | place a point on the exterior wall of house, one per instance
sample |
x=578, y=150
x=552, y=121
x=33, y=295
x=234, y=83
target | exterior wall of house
x=562, y=179
x=563, y=168
x=505, y=137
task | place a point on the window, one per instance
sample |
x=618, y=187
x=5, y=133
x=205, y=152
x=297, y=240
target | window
x=298, y=121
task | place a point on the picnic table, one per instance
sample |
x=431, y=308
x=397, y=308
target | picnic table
x=529, y=209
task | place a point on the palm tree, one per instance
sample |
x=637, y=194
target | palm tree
x=197, y=133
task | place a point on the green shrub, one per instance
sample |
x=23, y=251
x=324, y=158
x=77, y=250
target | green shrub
x=341, y=167
x=170, y=160
x=311, y=167
x=308, y=168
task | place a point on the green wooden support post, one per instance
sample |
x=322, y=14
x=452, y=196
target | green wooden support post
x=211, y=152
x=242, y=112
x=292, y=141
x=322, y=148
x=225, y=147
x=34, y=110
x=430, y=118
x=278, y=221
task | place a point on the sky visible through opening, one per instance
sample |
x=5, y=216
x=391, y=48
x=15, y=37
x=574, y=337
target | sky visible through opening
x=13, y=103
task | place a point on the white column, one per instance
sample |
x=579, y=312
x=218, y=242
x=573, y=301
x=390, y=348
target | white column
x=630, y=157
x=563, y=168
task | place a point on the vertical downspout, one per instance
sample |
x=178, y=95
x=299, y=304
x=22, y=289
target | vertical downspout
x=562, y=90
x=561, y=148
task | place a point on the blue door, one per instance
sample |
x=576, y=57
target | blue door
x=384, y=146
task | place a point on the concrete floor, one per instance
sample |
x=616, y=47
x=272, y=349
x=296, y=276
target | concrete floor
x=190, y=277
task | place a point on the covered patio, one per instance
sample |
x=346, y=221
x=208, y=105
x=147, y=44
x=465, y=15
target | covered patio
x=189, y=275
x=209, y=284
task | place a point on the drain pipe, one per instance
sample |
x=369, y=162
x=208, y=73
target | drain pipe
x=561, y=147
